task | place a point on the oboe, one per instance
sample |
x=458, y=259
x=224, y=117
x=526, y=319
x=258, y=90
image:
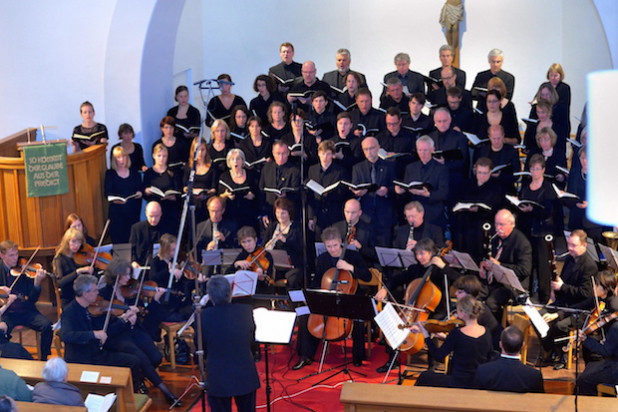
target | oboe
x=410, y=236
x=214, y=233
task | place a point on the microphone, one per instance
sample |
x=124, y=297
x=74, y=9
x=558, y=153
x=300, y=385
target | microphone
x=225, y=82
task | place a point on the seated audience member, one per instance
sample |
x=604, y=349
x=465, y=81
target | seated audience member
x=495, y=59
x=12, y=386
x=276, y=122
x=306, y=85
x=88, y=133
x=266, y=89
x=508, y=373
x=367, y=121
x=500, y=154
x=185, y=115
x=7, y=404
x=447, y=54
x=133, y=149
x=462, y=116
x=412, y=81
x=394, y=96
x=337, y=78
x=56, y=390
x=416, y=121
x=220, y=106
x=145, y=234
x=287, y=70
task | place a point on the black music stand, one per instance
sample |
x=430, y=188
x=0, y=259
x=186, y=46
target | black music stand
x=339, y=305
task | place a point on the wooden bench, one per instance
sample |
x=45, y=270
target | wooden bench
x=373, y=397
x=120, y=380
x=36, y=407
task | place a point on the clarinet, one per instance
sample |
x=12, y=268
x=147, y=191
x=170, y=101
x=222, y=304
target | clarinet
x=411, y=234
x=214, y=230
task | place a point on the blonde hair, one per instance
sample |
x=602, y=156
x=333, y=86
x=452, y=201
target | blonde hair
x=223, y=123
x=194, y=143
x=470, y=306
x=70, y=234
x=556, y=68
x=166, y=242
x=119, y=151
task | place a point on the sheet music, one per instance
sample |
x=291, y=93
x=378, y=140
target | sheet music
x=211, y=257
x=389, y=321
x=243, y=283
x=610, y=255
x=536, y=318
x=396, y=258
x=466, y=261
x=297, y=296
x=507, y=277
x=273, y=326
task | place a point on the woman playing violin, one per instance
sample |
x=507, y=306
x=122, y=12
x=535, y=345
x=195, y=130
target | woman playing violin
x=469, y=346
x=74, y=221
x=65, y=268
x=353, y=263
x=254, y=258
x=21, y=311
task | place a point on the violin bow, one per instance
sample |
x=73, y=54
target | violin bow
x=109, y=308
x=24, y=267
x=96, y=252
x=596, y=302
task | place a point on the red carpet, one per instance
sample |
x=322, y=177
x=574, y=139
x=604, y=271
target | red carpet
x=290, y=394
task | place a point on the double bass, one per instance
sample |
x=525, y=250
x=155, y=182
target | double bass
x=331, y=328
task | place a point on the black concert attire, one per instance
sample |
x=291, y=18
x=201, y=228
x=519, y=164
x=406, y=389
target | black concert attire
x=216, y=109
x=310, y=149
x=65, y=271
x=254, y=153
x=536, y=224
x=439, y=98
x=81, y=346
x=23, y=311
x=577, y=217
x=337, y=79
x=482, y=78
x=193, y=119
x=238, y=134
x=403, y=144
x=92, y=134
x=605, y=371
x=286, y=71
x=436, y=175
x=387, y=102
x=137, y=157
x=413, y=82
x=514, y=253
x=299, y=86
x=461, y=76
x=508, y=121
x=240, y=209
x=371, y=123
x=364, y=234
x=351, y=149
x=123, y=216
x=262, y=286
x=275, y=134
x=179, y=307
x=205, y=232
x=177, y=154
x=457, y=169
x=327, y=209
x=467, y=353
x=347, y=100
x=467, y=232
x=228, y=331
x=553, y=160
x=325, y=121
x=218, y=157
x=564, y=99
x=275, y=177
x=293, y=245
x=168, y=180
x=508, y=374
x=204, y=183
x=143, y=237
x=575, y=292
x=307, y=343
x=258, y=106
x=424, y=230
x=380, y=209
x=419, y=126
x=463, y=118
x=507, y=155
x=560, y=125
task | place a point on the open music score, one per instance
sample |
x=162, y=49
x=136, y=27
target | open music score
x=389, y=322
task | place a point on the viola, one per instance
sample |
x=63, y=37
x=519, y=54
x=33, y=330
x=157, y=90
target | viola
x=149, y=288
x=259, y=260
x=87, y=255
x=28, y=270
x=332, y=328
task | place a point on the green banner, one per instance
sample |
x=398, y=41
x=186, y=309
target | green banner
x=46, y=169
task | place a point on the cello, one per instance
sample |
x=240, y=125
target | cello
x=331, y=328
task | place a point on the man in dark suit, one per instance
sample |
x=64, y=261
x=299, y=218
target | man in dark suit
x=308, y=82
x=508, y=373
x=362, y=239
x=375, y=200
x=337, y=78
x=495, y=59
x=145, y=234
x=446, y=60
x=288, y=69
x=412, y=81
x=438, y=97
x=416, y=228
x=228, y=331
x=216, y=232
x=367, y=121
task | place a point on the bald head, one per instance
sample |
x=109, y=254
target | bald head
x=153, y=213
x=352, y=211
x=505, y=223
x=308, y=72
x=371, y=147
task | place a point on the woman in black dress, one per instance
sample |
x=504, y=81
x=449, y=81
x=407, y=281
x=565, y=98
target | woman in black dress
x=554, y=116
x=239, y=187
x=89, y=132
x=295, y=139
x=348, y=97
x=267, y=94
x=74, y=221
x=546, y=140
x=220, y=144
x=220, y=107
x=238, y=124
x=134, y=150
x=186, y=116
x=205, y=179
x=496, y=116
x=257, y=148
x=469, y=347
x=555, y=76
x=122, y=181
x=277, y=126
x=160, y=177
x=177, y=150
x=65, y=268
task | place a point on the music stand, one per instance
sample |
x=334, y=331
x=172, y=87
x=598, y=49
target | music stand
x=272, y=328
x=333, y=303
x=397, y=258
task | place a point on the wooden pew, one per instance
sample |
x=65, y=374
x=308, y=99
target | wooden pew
x=121, y=381
x=373, y=397
x=36, y=407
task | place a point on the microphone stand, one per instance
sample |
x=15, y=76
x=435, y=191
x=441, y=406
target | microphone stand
x=303, y=205
x=210, y=85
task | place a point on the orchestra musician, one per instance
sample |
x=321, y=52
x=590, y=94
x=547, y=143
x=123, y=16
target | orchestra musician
x=254, y=258
x=145, y=234
x=406, y=236
x=217, y=232
x=65, y=268
x=73, y=220
x=17, y=311
x=353, y=262
x=361, y=231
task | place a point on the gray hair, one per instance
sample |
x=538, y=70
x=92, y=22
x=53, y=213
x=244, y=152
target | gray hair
x=219, y=290
x=442, y=110
x=228, y=157
x=55, y=370
x=402, y=56
x=426, y=139
x=345, y=52
x=446, y=47
x=495, y=53
x=393, y=81
x=82, y=284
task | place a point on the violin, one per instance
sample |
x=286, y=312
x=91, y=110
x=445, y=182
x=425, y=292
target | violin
x=28, y=269
x=87, y=255
x=191, y=269
x=259, y=260
x=592, y=327
x=101, y=306
x=438, y=326
x=149, y=288
x=332, y=328
x=4, y=298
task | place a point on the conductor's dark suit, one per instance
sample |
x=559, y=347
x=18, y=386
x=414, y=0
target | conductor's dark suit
x=509, y=375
